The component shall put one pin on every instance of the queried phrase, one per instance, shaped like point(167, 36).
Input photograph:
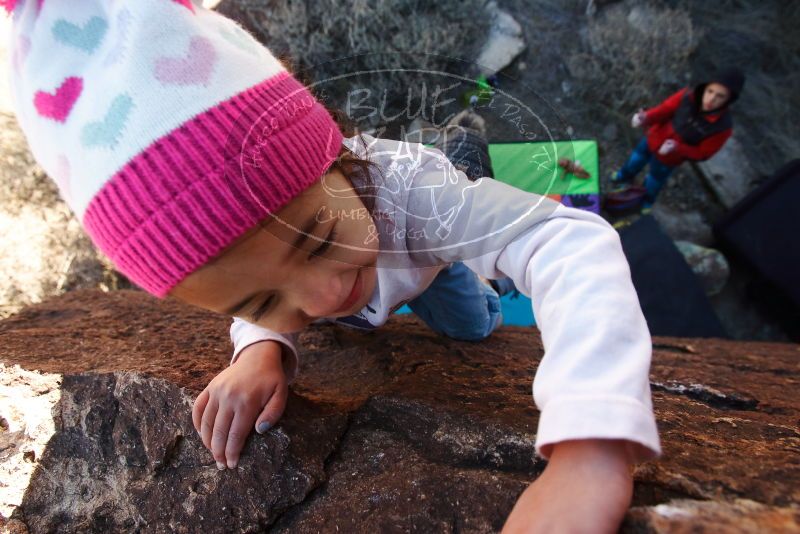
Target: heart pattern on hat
point(193, 69)
point(57, 106)
point(9, 5)
point(86, 38)
point(106, 133)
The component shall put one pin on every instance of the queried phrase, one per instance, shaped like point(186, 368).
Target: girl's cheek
point(285, 323)
point(359, 245)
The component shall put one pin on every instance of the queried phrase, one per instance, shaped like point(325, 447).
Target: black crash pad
point(763, 229)
point(672, 299)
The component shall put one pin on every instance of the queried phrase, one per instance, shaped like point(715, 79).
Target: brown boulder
point(394, 430)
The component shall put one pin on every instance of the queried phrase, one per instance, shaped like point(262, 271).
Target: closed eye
point(265, 306)
point(319, 251)
point(323, 248)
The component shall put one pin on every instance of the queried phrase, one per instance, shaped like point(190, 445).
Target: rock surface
point(505, 41)
point(683, 225)
point(44, 250)
point(729, 173)
point(735, 517)
point(391, 431)
point(27, 399)
point(708, 264)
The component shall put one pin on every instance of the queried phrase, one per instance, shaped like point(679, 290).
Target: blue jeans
point(458, 305)
point(655, 179)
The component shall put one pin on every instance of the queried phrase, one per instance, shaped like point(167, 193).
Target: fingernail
point(231, 464)
point(263, 426)
point(220, 466)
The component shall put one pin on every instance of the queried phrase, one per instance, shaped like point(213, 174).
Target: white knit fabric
point(145, 66)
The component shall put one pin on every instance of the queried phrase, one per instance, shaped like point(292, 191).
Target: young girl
point(206, 172)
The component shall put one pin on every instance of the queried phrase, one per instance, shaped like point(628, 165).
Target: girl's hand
point(639, 118)
point(586, 488)
point(253, 389)
point(668, 146)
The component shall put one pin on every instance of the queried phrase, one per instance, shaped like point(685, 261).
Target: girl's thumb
point(272, 410)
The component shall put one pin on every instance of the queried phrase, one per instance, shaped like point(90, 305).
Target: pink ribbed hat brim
point(193, 192)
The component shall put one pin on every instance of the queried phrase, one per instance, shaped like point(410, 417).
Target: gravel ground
point(44, 250)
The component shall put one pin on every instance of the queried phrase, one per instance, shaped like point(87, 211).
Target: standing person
point(208, 173)
point(692, 124)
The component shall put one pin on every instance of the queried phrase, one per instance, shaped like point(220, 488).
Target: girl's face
point(315, 258)
point(715, 96)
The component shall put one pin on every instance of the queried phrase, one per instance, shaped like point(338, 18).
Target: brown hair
point(355, 169)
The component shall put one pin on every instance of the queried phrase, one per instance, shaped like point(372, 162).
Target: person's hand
point(668, 146)
point(638, 119)
point(253, 389)
point(586, 488)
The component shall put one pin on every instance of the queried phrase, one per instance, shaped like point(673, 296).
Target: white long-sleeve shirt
point(593, 381)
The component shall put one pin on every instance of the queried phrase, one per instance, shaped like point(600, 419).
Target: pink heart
point(58, 106)
point(186, 3)
point(8, 4)
point(195, 68)
point(11, 4)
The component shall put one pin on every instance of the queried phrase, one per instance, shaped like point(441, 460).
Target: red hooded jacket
point(659, 120)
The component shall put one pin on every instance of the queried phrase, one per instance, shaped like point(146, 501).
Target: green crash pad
point(534, 167)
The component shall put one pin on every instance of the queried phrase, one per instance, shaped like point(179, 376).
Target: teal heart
point(87, 38)
point(108, 131)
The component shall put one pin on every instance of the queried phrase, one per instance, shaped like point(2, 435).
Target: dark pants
point(458, 305)
point(656, 178)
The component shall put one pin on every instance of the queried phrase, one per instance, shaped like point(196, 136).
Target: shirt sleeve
point(707, 147)
point(244, 334)
point(593, 381)
point(665, 110)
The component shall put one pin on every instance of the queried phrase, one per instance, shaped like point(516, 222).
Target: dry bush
point(325, 39)
point(633, 54)
point(44, 250)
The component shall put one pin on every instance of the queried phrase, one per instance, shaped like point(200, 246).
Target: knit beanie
point(168, 128)
point(733, 79)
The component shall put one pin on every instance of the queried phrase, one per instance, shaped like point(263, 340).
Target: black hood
point(732, 78)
